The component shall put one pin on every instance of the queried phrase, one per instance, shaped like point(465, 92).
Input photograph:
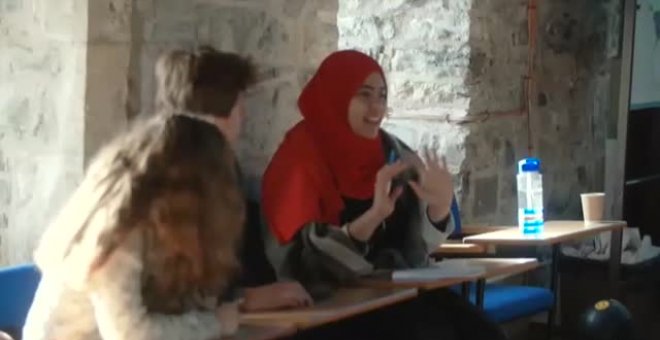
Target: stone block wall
point(454, 61)
point(107, 85)
point(74, 72)
point(42, 85)
point(286, 38)
point(67, 87)
point(570, 104)
point(423, 48)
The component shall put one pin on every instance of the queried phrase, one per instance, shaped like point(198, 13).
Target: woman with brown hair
point(256, 284)
point(147, 243)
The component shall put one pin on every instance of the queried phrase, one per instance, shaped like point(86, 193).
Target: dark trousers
point(434, 315)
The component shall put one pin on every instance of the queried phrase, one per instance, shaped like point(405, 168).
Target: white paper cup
point(593, 205)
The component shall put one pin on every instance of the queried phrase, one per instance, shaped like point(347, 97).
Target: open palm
point(435, 184)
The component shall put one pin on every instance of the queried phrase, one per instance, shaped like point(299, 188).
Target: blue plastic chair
point(501, 302)
point(18, 285)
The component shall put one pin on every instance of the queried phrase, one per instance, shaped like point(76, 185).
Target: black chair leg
point(465, 291)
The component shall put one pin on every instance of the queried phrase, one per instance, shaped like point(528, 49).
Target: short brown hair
point(205, 82)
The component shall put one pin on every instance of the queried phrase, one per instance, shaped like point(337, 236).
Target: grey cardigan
point(323, 256)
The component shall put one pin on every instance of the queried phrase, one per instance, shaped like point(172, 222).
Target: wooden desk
point(346, 302)
point(555, 232)
point(457, 248)
point(499, 266)
point(262, 332)
point(350, 302)
point(480, 229)
point(489, 267)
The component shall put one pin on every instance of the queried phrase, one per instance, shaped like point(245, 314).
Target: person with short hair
point(147, 243)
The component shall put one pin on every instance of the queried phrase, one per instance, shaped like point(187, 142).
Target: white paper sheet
point(438, 271)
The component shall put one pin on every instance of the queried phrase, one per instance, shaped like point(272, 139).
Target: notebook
point(436, 271)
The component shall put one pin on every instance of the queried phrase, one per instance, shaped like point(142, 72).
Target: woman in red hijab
point(346, 197)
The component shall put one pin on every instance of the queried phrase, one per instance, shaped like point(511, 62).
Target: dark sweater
point(256, 270)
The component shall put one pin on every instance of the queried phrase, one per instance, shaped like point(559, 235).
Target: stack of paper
point(438, 271)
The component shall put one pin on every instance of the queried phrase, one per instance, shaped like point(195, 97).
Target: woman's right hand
point(276, 296)
point(385, 198)
point(363, 227)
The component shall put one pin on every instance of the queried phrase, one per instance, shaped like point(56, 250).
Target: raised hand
point(435, 185)
point(384, 197)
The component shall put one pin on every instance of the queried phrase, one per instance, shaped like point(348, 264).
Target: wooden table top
point(458, 248)
point(262, 332)
point(499, 266)
point(345, 303)
point(553, 232)
point(348, 302)
point(485, 268)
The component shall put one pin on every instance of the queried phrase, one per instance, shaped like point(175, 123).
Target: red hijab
point(321, 159)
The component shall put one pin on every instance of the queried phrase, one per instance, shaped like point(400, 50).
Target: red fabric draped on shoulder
point(321, 160)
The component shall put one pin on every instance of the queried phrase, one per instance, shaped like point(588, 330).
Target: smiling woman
point(368, 108)
point(331, 196)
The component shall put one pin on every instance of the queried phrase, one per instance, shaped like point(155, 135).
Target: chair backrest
point(456, 216)
point(17, 287)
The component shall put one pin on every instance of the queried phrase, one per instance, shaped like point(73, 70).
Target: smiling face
point(368, 107)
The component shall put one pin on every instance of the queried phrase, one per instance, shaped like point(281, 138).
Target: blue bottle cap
point(529, 165)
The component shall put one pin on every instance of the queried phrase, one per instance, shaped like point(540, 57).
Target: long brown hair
point(171, 177)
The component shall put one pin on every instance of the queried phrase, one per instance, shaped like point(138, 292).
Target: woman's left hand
point(229, 317)
point(434, 186)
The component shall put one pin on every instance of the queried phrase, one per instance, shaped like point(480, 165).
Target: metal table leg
point(554, 284)
point(481, 287)
point(615, 262)
point(465, 291)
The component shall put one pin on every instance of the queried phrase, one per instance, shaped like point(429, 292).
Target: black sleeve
point(256, 270)
point(441, 226)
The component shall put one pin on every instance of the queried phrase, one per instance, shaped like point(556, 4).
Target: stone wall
point(423, 48)
point(42, 85)
point(109, 43)
point(67, 87)
point(569, 104)
point(286, 38)
point(452, 62)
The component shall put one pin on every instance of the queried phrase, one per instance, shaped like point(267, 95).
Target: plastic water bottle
point(530, 196)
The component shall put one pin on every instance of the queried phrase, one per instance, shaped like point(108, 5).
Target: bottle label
point(531, 221)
